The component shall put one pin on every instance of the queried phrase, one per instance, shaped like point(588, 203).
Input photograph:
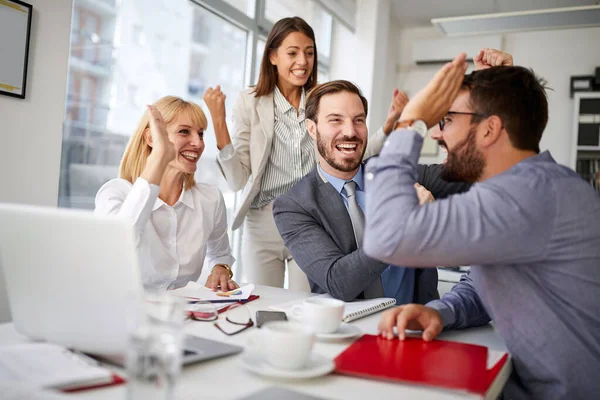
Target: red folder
point(439, 363)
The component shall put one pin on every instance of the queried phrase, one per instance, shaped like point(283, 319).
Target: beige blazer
point(253, 127)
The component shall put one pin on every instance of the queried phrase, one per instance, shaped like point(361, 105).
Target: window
point(260, 48)
point(124, 56)
point(311, 12)
point(159, 51)
point(132, 95)
point(323, 75)
point(138, 37)
point(245, 6)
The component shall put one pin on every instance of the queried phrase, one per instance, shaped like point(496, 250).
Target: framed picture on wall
point(15, 27)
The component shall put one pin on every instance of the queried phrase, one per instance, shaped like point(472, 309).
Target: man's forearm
point(462, 306)
point(465, 229)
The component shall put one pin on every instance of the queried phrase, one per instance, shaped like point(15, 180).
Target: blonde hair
point(137, 151)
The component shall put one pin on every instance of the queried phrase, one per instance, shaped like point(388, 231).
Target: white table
point(225, 378)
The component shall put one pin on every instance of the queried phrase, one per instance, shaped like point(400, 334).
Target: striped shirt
point(292, 151)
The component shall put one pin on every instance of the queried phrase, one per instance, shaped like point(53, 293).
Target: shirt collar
point(338, 183)
point(283, 104)
point(543, 156)
point(186, 197)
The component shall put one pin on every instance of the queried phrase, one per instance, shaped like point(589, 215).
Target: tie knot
point(350, 188)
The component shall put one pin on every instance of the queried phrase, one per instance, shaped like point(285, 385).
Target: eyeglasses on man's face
point(237, 317)
point(442, 123)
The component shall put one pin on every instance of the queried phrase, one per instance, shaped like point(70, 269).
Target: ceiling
point(420, 12)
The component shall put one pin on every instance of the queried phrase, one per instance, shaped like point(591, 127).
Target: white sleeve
point(119, 197)
point(234, 160)
point(218, 249)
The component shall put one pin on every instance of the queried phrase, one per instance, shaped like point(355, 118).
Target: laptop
point(72, 278)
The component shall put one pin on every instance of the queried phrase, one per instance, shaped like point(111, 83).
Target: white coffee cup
point(320, 315)
point(283, 344)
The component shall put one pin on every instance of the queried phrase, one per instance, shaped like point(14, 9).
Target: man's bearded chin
point(327, 153)
point(464, 163)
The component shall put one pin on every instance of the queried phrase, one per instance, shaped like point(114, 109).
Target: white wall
point(364, 57)
point(31, 129)
point(553, 55)
point(342, 64)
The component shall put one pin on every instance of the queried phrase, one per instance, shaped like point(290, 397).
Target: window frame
point(258, 28)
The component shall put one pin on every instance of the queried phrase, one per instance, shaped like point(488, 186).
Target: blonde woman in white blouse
point(178, 222)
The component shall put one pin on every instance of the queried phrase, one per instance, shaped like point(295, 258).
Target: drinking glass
point(153, 359)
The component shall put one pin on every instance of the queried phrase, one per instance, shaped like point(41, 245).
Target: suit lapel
point(266, 117)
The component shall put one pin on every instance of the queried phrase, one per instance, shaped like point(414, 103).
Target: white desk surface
point(225, 378)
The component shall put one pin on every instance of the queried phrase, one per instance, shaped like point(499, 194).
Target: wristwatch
point(229, 271)
point(415, 124)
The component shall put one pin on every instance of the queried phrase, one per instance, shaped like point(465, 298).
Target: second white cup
point(320, 315)
point(283, 344)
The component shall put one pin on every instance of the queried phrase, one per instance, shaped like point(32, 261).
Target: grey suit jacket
point(316, 228)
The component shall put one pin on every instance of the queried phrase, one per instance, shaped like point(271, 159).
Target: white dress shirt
point(172, 241)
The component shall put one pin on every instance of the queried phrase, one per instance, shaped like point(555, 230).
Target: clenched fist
point(487, 58)
point(215, 101)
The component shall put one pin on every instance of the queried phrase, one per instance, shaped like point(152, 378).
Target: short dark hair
point(311, 107)
point(267, 79)
point(515, 95)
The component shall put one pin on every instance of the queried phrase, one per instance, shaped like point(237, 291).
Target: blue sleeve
point(472, 228)
point(461, 307)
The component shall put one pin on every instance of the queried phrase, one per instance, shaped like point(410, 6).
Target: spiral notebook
point(353, 310)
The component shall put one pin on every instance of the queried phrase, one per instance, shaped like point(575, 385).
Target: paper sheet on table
point(494, 356)
point(12, 390)
point(195, 291)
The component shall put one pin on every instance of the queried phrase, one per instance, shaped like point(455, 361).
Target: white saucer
point(345, 331)
point(317, 365)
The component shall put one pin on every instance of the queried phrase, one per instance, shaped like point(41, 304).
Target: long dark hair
point(267, 80)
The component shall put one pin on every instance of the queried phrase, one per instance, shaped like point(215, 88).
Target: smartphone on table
point(263, 317)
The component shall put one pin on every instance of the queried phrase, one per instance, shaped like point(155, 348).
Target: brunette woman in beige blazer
point(270, 150)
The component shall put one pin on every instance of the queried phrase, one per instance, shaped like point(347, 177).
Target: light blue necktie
point(358, 224)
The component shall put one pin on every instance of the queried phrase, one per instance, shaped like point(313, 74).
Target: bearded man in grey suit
point(320, 217)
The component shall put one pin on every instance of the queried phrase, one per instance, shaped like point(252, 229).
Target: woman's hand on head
point(487, 58)
point(215, 101)
point(161, 145)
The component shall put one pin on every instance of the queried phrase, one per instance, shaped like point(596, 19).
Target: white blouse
point(172, 241)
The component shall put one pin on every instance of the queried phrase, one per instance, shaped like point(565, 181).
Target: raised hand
point(435, 99)
point(215, 101)
point(487, 58)
point(399, 101)
point(413, 317)
point(161, 145)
